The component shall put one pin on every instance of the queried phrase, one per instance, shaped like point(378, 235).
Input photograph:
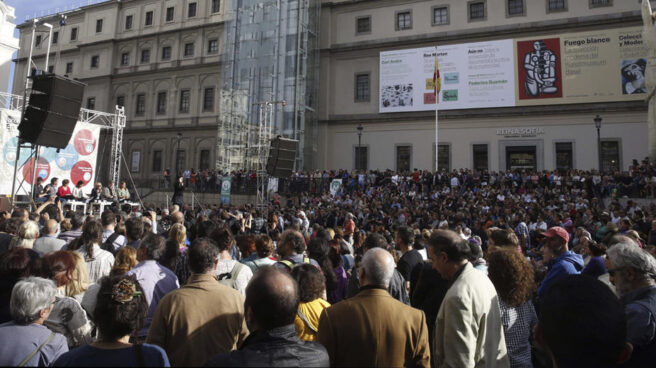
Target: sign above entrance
point(520, 132)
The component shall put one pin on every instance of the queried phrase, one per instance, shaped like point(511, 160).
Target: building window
point(216, 6)
point(362, 87)
point(74, 34)
point(128, 22)
point(99, 24)
point(141, 105)
point(55, 37)
point(166, 53)
point(600, 3)
point(145, 56)
point(157, 161)
point(556, 5)
point(189, 49)
point(179, 160)
point(136, 161)
point(149, 18)
point(610, 155)
point(212, 46)
point(95, 60)
point(204, 163)
point(51, 69)
point(192, 10)
point(440, 15)
point(37, 41)
point(403, 20)
point(125, 58)
point(91, 103)
point(476, 10)
point(208, 99)
point(515, 7)
point(120, 101)
point(564, 155)
point(161, 103)
point(480, 157)
point(169, 13)
point(69, 67)
point(361, 158)
point(403, 158)
point(443, 157)
point(363, 25)
point(185, 95)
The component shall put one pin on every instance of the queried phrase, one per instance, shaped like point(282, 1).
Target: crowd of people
point(454, 270)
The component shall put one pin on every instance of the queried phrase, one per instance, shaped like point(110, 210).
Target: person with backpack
point(291, 248)
point(230, 272)
point(111, 240)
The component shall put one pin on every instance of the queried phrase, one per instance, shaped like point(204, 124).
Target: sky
point(32, 8)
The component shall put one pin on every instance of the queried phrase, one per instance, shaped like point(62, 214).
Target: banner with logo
point(273, 185)
point(76, 162)
point(226, 185)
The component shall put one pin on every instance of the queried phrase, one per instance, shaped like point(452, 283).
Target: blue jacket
point(568, 263)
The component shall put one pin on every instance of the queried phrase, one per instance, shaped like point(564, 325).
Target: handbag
point(32, 354)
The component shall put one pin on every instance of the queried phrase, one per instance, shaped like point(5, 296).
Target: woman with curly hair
point(120, 310)
point(512, 276)
point(312, 293)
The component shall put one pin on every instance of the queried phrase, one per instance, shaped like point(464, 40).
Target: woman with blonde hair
point(27, 234)
point(79, 282)
point(125, 260)
point(178, 234)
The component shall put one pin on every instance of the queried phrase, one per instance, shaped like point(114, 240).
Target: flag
point(437, 81)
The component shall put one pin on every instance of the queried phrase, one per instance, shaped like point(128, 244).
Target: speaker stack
point(52, 112)
point(282, 155)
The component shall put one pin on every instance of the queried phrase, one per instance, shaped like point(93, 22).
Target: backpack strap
point(302, 316)
point(306, 260)
point(235, 270)
point(138, 355)
point(32, 354)
point(108, 245)
point(288, 263)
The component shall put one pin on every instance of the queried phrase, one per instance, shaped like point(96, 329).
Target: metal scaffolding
point(270, 55)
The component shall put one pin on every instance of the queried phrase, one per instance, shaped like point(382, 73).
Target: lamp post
point(597, 123)
point(177, 156)
point(359, 160)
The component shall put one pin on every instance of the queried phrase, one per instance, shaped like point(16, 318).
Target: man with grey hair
point(25, 341)
point(155, 279)
point(48, 242)
point(632, 270)
point(372, 328)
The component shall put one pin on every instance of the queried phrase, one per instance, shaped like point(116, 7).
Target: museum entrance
point(521, 158)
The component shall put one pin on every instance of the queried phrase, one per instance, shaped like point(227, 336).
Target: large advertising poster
point(474, 75)
point(75, 162)
point(599, 66)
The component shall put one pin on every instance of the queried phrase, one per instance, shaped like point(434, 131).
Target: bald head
point(377, 268)
point(51, 227)
point(177, 218)
point(272, 297)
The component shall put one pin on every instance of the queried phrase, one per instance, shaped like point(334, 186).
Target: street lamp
point(177, 156)
point(359, 160)
point(597, 123)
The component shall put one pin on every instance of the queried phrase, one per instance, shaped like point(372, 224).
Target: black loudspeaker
point(282, 155)
point(52, 112)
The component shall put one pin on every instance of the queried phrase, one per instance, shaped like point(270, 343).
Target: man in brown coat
point(202, 318)
point(372, 328)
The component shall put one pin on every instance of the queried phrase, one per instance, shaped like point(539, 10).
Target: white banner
point(474, 75)
point(273, 185)
point(75, 162)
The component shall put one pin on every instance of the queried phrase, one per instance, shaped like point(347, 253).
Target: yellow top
point(312, 311)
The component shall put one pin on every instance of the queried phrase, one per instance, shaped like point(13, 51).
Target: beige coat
point(374, 329)
point(199, 320)
point(468, 330)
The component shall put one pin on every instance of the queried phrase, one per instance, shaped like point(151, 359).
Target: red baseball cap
point(557, 231)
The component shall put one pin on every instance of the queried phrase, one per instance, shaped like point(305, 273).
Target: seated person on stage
point(109, 192)
point(123, 193)
point(64, 192)
point(51, 189)
point(40, 195)
point(78, 193)
point(96, 193)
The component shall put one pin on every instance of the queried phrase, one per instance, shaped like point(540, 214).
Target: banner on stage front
point(76, 162)
point(226, 186)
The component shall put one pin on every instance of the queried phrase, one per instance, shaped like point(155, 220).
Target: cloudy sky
point(31, 8)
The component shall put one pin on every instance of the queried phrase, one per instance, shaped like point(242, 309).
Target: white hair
point(378, 266)
point(630, 255)
point(28, 297)
point(27, 234)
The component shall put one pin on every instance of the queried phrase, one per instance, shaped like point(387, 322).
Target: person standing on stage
point(178, 190)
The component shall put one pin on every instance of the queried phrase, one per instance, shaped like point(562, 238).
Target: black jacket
point(279, 347)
